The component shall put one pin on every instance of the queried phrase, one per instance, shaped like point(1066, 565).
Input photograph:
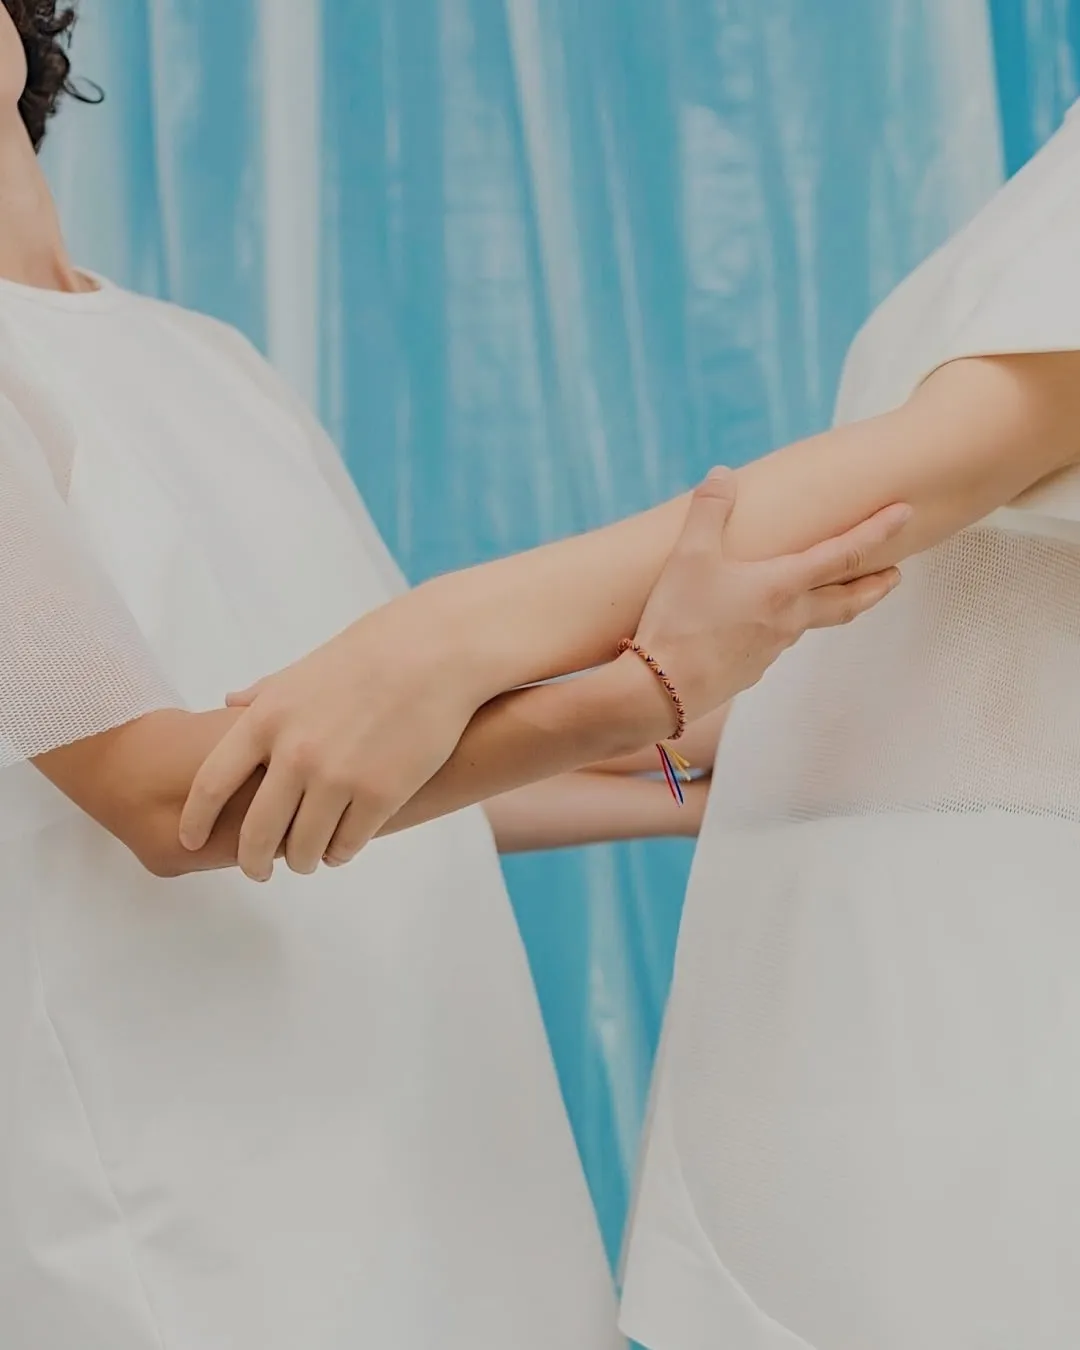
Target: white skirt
point(866, 1126)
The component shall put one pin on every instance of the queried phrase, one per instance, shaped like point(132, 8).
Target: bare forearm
point(976, 435)
point(167, 791)
point(134, 780)
point(538, 733)
point(565, 606)
point(591, 808)
point(699, 746)
point(559, 608)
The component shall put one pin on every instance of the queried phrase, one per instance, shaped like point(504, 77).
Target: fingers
point(243, 698)
point(314, 826)
point(356, 829)
point(710, 509)
point(238, 754)
point(847, 556)
point(841, 603)
point(267, 822)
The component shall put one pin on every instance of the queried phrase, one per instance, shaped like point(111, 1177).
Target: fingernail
point(895, 578)
point(904, 514)
point(719, 471)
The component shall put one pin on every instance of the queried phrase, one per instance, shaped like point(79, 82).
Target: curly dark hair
point(45, 28)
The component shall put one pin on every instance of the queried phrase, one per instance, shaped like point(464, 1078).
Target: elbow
point(154, 840)
point(164, 863)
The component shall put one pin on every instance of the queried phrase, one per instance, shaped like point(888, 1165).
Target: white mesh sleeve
point(73, 662)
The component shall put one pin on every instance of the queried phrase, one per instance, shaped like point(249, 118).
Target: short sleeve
point(73, 662)
point(1016, 290)
point(1015, 277)
point(1007, 284)
point(325, 454)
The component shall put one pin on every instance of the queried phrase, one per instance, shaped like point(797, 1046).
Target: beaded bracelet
point(676, 769)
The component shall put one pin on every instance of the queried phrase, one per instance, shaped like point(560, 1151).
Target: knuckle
point(335, 778)
point(369, 801)
point(302, 756)
point(854, 560)
point(262, 718)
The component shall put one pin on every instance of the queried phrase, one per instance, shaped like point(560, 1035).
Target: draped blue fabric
point(1037, 46)
point(541, 263)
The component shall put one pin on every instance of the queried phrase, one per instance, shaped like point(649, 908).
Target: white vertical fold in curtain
point(289, 43)
point(102, 160)
point(537, 51)
point(970, 162)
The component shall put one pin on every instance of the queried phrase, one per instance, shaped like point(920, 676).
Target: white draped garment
point(315, 1115)
point(865, 1129)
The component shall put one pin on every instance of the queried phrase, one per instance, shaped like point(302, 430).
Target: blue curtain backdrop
point(540, 263)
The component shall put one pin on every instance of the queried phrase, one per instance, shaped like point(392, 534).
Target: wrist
point(427, 637)
point(463, 635)
point(627, 704)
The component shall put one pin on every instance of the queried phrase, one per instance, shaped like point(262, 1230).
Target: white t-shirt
point(320, 1113)
point(866, 1114)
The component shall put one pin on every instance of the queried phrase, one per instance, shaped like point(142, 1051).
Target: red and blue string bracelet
point(676, 769)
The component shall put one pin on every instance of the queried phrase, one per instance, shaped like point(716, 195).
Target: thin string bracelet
point(676, 768)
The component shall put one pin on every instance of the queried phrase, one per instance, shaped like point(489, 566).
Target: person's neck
point(32, 249)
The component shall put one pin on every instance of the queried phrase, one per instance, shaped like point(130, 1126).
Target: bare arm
point(134, 780)
point(951, 489)
point(975, 435)
point(592, 808)
point(544, 731)
point(699, 746)
point(730, 619)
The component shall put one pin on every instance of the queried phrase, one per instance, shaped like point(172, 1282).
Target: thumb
point(243, 698)
point(710, 509)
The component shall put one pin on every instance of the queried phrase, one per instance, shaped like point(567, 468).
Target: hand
point(366, 741)
point(716, 625)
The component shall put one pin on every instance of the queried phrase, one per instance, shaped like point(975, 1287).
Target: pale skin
point(134, 780)
point(974, 435)
point(608, 801)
